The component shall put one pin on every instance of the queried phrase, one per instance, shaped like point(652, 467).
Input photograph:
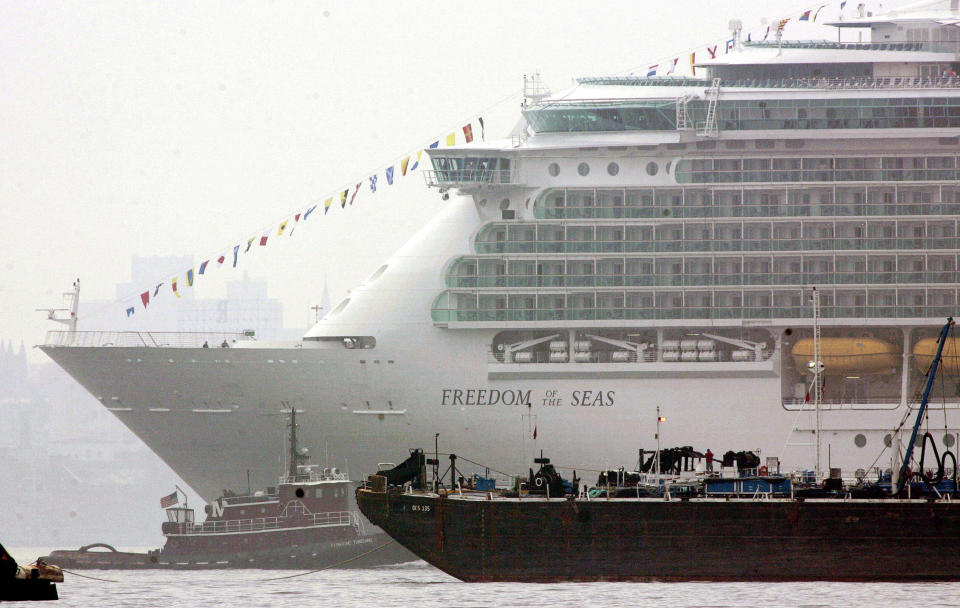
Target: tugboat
point(732, 525)
point(27, 583)
point(305, 521)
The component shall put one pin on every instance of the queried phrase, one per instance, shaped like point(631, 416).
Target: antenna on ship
point(736, 27)
point(71, 303)
point(534, 91)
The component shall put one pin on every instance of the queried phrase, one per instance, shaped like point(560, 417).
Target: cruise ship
point(636, 243)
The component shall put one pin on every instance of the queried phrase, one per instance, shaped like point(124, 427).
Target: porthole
point(860, 440)
point(553, 169)
point(613, 168)
point(652, 168)
point(505, 204)
point(483, 202)
point(948, 440)
point(887, 440)
point(583, 169)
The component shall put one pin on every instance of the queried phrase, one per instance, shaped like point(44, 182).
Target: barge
point(688, 523)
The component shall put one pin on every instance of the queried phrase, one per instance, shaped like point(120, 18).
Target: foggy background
point(173, 131)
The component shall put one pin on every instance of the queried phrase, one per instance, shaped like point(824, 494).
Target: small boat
point(36, 581)
point(843, 356)
point(926, 348)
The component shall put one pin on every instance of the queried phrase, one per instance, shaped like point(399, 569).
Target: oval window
point(652, 168)
point(583, 169)
point(860, 440)
point(613, 168)
point(553, 169)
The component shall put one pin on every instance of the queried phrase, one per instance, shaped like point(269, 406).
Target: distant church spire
point(325, 298)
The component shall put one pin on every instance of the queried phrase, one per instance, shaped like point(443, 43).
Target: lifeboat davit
point(924, 351)
point(842, 356)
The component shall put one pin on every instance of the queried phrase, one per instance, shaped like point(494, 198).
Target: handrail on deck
point(149, 339)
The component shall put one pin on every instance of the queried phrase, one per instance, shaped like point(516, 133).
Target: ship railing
point(855, 403)
point(313, 476)
point(652, 313)
point(714, 279)
point(457, 177)
point(248, 498)
point(144, 339)
point(332, 518)
point(865, 82)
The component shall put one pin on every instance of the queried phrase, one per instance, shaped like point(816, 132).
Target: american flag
point(169, 500)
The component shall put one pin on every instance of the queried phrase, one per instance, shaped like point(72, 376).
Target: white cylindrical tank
point(706, 344)
point(707, 355)
point(688, 344)
point(671, 355)
point(688, 355)
point(620, 356)
point(581, 356)
point(558, 345)
point(670, 345)
point(582, 345)
point(558, 357)
point(742, 355)
point(523, 357)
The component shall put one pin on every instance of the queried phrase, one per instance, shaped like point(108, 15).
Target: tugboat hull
point(540, 540)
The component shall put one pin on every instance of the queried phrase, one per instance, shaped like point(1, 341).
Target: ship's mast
point(294, 454)
point(71, 303)
point(817, 368)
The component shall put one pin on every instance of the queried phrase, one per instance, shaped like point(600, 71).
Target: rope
point(278, 578)
point(346, 561)
point(93, 578)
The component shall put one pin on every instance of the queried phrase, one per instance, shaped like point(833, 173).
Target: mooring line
point(93, 578)
point(346, 561)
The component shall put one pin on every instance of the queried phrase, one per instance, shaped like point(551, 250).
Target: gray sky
point(180, 128)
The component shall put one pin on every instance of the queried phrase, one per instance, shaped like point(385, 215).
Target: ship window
point(887, 440)
point(652, 168)
point(860, 440)
point(948, 440)
point(613, 168)
point(553, 169)
point(583, 169)
point(376, 275)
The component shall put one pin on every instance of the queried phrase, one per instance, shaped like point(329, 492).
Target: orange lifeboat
point(842, 356)
point(924, 351)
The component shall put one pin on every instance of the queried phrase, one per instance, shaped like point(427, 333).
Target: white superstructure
point(639, 242)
